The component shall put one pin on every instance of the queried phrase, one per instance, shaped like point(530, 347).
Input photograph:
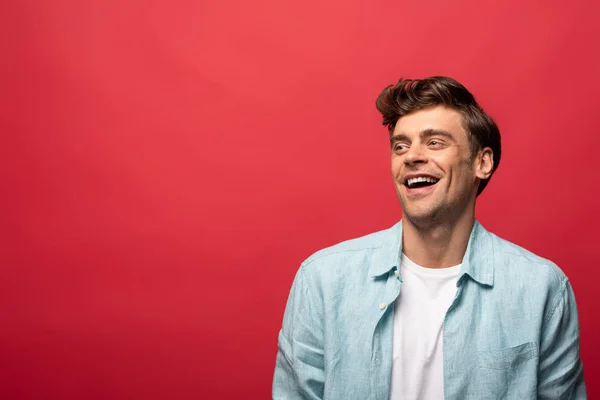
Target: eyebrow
point(424, 134)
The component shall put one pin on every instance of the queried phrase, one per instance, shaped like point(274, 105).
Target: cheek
point(396, 167)
point(462, 176)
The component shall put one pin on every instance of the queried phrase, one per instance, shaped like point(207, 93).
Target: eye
point(435, 143)
point(399, 147)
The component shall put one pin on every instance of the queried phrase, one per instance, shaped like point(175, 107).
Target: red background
point(166, 166)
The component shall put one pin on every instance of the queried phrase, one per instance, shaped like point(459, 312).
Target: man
point(435, 307)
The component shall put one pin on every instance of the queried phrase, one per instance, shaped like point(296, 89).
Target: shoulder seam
point(535, 259)
point(316, 257)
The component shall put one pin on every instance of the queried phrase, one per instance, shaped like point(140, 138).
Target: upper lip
point(417, 175)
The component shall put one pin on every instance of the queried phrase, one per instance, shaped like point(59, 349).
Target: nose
point(415, 155)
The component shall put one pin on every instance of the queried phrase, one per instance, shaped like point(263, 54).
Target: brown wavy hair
point(409, 95)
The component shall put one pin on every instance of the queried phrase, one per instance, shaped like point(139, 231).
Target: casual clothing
point(511, 332)
point(419, 312)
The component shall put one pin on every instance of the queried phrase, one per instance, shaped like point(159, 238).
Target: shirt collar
point(478, 261)
point(387, 256)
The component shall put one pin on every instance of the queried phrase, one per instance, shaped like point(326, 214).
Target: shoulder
point(355, 254)
point(509, 253)
point(364, 243)
point(517, 266)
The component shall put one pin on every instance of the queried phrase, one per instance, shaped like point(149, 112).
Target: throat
point(435, 246)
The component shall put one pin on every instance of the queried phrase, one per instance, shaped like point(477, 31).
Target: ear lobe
point(484, 163)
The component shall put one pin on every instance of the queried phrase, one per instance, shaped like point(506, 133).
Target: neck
point(437, 246)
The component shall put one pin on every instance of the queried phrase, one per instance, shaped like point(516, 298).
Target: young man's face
point(434, 172)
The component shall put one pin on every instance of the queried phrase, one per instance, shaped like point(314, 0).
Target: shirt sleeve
point(561, 368)
point(299, 369)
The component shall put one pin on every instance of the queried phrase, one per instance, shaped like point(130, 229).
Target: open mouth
point(419, 182)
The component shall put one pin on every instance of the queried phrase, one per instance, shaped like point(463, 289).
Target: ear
point(484, 163)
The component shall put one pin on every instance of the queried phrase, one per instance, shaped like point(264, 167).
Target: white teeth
point(412, 181)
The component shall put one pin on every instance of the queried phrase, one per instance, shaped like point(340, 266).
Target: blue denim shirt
point(512, 331)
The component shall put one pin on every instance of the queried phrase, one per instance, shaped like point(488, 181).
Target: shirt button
point(396, 272)
point(381, 306)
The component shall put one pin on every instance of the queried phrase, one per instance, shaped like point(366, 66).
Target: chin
point(419, 217)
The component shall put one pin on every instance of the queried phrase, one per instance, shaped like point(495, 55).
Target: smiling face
point(435, 173)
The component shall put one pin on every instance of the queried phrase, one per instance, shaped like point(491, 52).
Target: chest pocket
point(506, 373)
point(507, 358)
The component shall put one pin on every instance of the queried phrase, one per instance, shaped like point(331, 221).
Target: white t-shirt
point(419, 312)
